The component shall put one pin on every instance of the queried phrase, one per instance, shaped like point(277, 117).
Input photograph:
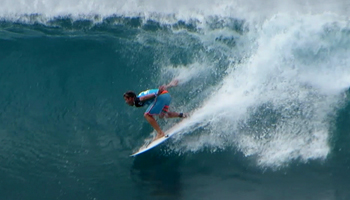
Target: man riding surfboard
point(158, 101)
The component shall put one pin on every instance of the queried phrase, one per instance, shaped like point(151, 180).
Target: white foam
point(187, 73)
point(180, 10)
point(279, 104)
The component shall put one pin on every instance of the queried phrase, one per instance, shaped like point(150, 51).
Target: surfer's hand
point(161, 89)
point(164, 87)
point(173, 83)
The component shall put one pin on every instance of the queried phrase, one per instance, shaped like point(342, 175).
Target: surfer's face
point(129, 100)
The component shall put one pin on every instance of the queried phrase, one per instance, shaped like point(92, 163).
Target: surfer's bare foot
point(183, 115)
point(159, 135)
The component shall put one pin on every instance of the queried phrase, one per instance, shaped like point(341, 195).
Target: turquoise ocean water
point(266, 84)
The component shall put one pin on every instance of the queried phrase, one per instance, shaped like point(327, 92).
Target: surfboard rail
point(150, 145)
point(155, 143)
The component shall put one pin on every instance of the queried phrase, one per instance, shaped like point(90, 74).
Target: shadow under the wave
point(156, 175)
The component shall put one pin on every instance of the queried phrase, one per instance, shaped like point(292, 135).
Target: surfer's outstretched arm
point(173, 83)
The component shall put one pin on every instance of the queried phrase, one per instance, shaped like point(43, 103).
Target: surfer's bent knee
point(146, 115)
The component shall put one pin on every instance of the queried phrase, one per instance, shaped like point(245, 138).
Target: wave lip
point(167, 10)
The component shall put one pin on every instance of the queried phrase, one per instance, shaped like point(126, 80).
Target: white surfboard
point(173, 130)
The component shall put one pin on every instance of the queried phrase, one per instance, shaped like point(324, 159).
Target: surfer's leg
point(158, 107)
point(162, 115)
point(155, 109)
point(154, 124)
point(175, 114)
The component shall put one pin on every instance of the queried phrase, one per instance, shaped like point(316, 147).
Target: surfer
point(158, 101)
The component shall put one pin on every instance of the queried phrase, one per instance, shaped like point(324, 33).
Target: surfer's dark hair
point(129, 94)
